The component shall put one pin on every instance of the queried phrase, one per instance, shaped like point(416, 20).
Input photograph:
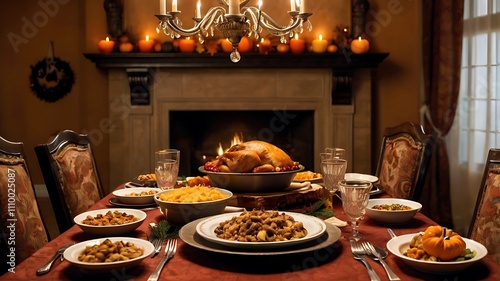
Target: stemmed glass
point(355, 196)
point(335, 152)
point(333, 172)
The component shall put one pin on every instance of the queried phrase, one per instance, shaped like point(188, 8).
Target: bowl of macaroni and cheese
point(110, 222)
point(185, 204)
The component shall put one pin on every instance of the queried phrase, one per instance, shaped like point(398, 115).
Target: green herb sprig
point(162, 230)
point(319, 209)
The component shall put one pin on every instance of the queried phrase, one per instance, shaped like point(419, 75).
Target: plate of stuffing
point(276, 229)
point(310, 176)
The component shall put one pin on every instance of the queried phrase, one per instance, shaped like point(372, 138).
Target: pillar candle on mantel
point(360, 46)
point(297, 45)
point(106, 46)
point(187, 45)
point(319, 45)
point(146, 46)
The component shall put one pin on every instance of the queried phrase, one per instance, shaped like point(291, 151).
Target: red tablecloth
point(189, 263)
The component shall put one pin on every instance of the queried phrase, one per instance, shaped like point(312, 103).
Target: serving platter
point(189, 235)
point(315, 228)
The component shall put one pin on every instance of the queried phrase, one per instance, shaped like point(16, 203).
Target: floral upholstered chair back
point(485, 224)
point(404, 156)
point(70, 173)
point(78, 177)
point(23, 229)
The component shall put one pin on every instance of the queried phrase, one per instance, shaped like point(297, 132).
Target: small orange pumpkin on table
point(442, 243)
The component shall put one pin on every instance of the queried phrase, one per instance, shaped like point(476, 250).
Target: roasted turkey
point(252, 156)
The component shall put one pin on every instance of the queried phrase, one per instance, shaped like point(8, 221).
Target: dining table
point(333, 262)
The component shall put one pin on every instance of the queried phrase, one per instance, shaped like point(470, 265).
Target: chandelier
point(234, 23)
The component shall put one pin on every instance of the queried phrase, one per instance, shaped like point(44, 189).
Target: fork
point(359, 253)
point(369, 249)
point(170, 249)
point(158, 243)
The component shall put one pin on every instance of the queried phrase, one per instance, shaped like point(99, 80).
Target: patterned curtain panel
point(442, 50)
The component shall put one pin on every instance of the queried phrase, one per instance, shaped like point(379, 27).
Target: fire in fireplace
point(200, 134)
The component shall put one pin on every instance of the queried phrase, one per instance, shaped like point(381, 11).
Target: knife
point(46, 268)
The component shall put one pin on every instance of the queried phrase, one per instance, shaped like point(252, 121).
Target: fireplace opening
point(200, 134)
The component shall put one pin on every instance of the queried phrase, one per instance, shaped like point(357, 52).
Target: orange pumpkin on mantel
point(442, 243)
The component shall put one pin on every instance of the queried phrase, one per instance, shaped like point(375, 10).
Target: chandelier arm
point(272, 26)
point(224, 2)
point(207, 19)
point(253, 14)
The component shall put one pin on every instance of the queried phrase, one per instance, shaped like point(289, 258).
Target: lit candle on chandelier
point(302, 6)
point(292, 5)
point(174, 5)
point(197, 14)
point(234, 7)
point(163, 7)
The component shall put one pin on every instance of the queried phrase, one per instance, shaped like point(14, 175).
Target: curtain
point(442, 49)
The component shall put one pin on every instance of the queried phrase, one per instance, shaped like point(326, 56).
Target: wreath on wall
point(51, 79)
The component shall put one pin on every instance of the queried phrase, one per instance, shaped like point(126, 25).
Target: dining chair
point(70, 173)
point(404, 156)
point(485, 223)
point(23, 228)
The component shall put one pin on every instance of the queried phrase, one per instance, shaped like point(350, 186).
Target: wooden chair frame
point(492, 166)
point(427, 141)
point(50, 171)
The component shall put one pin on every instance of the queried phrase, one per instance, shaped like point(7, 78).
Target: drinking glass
point(166, 172)
point(355, 195)
point(333, 172)
point(166, 167)
point(336, 152)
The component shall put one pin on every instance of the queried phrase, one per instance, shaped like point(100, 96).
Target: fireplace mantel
point(338, 62)
point(144, 88)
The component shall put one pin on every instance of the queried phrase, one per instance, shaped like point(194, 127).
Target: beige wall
point(76, 26)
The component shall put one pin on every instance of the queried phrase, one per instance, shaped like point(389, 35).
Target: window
point(476, 128)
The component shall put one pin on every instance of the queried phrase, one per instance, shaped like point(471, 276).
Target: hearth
point(201, 134)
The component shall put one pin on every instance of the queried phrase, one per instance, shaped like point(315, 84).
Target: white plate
point(71, 255)
point(398, 246)
point(315, 227)
point(189, 235)
point(110, 230)
point(124, 195)
point(356, 176)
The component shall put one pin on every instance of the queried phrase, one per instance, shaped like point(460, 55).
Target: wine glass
point(355, 195)
point(333, 172)
point(336, 152)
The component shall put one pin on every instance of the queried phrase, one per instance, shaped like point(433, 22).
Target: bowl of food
point(110, 258)
point(110, 222)
point(401, 247)
point(183, 205)
point(252, 167)
point(136, 195)
point(392, 210)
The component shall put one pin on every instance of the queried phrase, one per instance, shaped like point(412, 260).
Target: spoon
point(381, 252)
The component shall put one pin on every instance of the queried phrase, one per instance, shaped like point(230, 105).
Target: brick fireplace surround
point(143, 88)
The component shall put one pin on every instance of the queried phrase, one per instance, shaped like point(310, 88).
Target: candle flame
point(107, 39)
point(147, 37)
point(359, 38)
point(296, 36)
point(220, 151)
point(321, 37)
